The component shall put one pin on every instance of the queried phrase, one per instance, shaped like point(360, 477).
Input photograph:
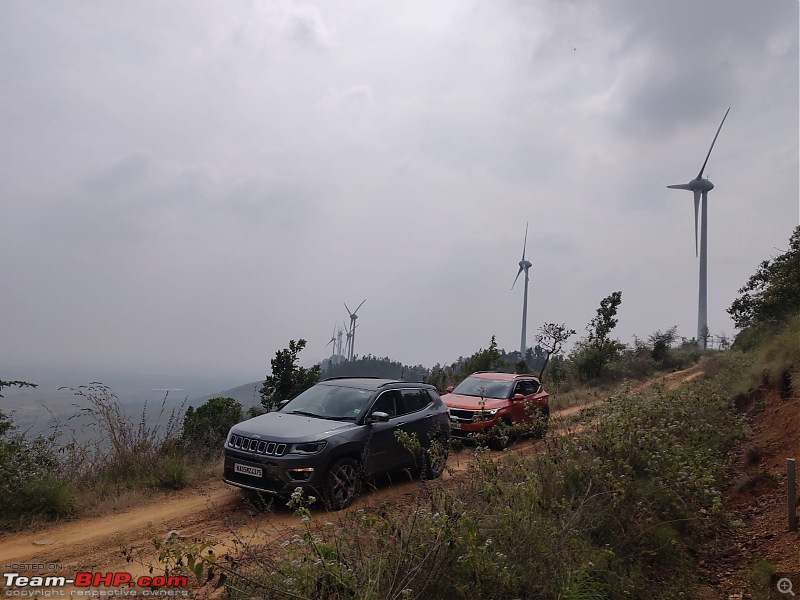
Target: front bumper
point(274, 475)
point(468, 429)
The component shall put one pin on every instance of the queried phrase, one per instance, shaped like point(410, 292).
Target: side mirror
point(281, 404)
point(449, 389)
point(378, 417)
point(518, 397)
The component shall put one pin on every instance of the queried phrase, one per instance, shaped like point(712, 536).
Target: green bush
point(205, 429)
point(32, 481)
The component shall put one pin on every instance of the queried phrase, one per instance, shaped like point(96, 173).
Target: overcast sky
point(185, 186)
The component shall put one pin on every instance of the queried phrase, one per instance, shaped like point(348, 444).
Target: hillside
point(123, 538)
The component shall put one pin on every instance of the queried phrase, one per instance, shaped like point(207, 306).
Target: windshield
point(329, 402)
point(484, 388)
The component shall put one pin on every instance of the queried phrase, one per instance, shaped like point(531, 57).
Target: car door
point(382, 451)
point(417, 409)
point(524, 408)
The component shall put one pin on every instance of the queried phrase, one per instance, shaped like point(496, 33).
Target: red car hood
point(473, 402)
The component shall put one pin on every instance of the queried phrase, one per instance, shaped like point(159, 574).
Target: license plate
point(247, 470)
point(455, 425)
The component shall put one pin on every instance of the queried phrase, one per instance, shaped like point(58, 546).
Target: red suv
point(485, 400)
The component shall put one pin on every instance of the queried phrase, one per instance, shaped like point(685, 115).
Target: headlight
point(307, 448)
point(486, 414)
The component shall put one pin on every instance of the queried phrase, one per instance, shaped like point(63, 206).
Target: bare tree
point(551, 337)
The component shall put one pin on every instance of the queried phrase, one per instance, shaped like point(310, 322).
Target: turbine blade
point(525, 245)
point(349, 312)
point(696, 207)
point(515, 278)
point(680, 186)
point(360, 305)
point(703, 168)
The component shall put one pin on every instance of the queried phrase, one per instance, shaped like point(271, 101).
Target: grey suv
point(336, 435)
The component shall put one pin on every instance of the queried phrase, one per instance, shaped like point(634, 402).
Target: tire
point(436, 459)
point(498, 442)
point(540, 424)
point(342, 484)
point(500, 439)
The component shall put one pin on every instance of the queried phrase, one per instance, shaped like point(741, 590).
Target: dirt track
point(214, 512)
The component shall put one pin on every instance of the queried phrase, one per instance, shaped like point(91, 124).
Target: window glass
point(526, 388)
point(329, 401)
point(386, 403)
point(414, 400)
point(485, 388)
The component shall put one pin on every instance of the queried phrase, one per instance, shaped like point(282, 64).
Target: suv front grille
point(257, 446)
point(462, 415)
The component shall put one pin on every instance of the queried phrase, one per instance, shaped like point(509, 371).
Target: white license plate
point(247, 470)
point(455, 425)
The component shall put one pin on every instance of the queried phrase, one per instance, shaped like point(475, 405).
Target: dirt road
point(213, 512)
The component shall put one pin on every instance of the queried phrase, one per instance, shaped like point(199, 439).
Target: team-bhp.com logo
point(158, 585)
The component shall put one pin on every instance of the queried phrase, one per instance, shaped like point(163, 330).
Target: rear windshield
point(484, 388)
point(330, 402)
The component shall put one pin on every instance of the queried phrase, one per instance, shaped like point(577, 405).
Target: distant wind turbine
point(333, 347)
point(700, 187)
point(351, 334)
point(524, 265)
point(339, 343)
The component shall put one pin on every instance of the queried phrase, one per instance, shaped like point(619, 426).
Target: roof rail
point(352, 377)
point(504, 373)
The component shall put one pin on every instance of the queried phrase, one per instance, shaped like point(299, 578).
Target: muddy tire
point(500, 436)
point(342, 484)
point(436, 459)
point(540, 424)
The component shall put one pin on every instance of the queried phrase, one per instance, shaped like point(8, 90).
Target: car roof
point(503, 376)
point(371, 383)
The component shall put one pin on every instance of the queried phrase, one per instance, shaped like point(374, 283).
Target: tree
point(552, 337)
point(207, 427)
point(661, 342)
point(444, 376)
point(597, 350)
point(772, 294)
point(287, 379)
point(19, 384)
point(6, 422)
point(484, 360)
point(603, 322)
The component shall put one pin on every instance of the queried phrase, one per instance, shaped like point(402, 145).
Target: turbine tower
point(524, 265)
point(700, 187)
point(351, 334)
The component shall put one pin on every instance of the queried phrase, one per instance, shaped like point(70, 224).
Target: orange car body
point(485, 399)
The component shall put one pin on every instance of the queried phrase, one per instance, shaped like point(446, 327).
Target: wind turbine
point(351, 334)
point(339, 344)
point(700, 187)
point(524, 265)
point(333, 348)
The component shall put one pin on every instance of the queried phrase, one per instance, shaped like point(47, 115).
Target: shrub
point(32, 482)
point(205, 429)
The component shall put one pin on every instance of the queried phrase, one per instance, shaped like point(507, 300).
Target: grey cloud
point(306, 25)
point(232, 174)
